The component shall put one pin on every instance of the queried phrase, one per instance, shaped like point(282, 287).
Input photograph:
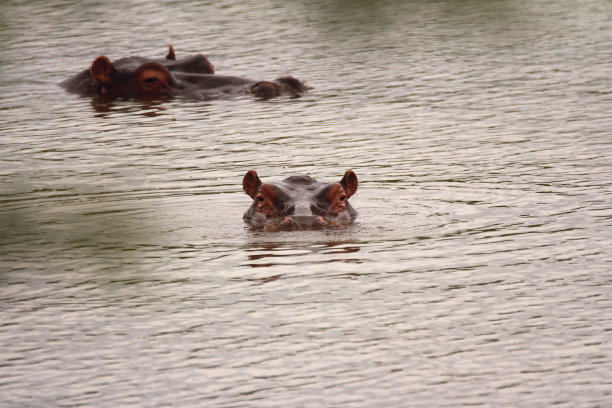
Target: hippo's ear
point(251, 183)
point(209, 67)
point(349, 183)
point(102, 70)
point(171, 55)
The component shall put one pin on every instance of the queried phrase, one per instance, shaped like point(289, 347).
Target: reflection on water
point(299, 253)
point(477, 272)
point(149, 108)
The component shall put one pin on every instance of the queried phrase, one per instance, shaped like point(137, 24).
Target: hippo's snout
point(297, 222)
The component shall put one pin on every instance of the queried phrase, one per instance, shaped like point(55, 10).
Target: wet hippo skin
point(194, 77)
point(299, 202)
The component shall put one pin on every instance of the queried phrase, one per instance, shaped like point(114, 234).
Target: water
point(478, 272)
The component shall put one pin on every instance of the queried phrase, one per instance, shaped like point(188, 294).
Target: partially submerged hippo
point(191, 76)
point(299, 202)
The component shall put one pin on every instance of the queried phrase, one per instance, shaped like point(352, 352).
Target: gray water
point(478, 272)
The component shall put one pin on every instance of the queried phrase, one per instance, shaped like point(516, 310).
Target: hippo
point(194, 77)
point(299, 202)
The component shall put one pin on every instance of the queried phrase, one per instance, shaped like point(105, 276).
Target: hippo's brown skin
point(299, 202)
point(193, 76)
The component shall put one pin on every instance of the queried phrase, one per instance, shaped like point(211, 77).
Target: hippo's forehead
point(300, 189)
point(129, 64)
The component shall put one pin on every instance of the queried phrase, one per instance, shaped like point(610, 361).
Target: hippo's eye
point(151, 80)
point(260, 199)
point(342, 197)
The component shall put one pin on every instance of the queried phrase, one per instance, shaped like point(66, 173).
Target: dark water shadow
point(364, 18)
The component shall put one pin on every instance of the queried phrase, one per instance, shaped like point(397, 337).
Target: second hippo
point(138, 77)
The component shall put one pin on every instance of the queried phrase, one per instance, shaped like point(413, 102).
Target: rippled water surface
point(478, 272)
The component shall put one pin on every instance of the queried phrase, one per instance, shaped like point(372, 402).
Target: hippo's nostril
point(305, 220)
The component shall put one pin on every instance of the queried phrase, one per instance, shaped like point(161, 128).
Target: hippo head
point(136, 76)
point(299, 202)
point(150, 78)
